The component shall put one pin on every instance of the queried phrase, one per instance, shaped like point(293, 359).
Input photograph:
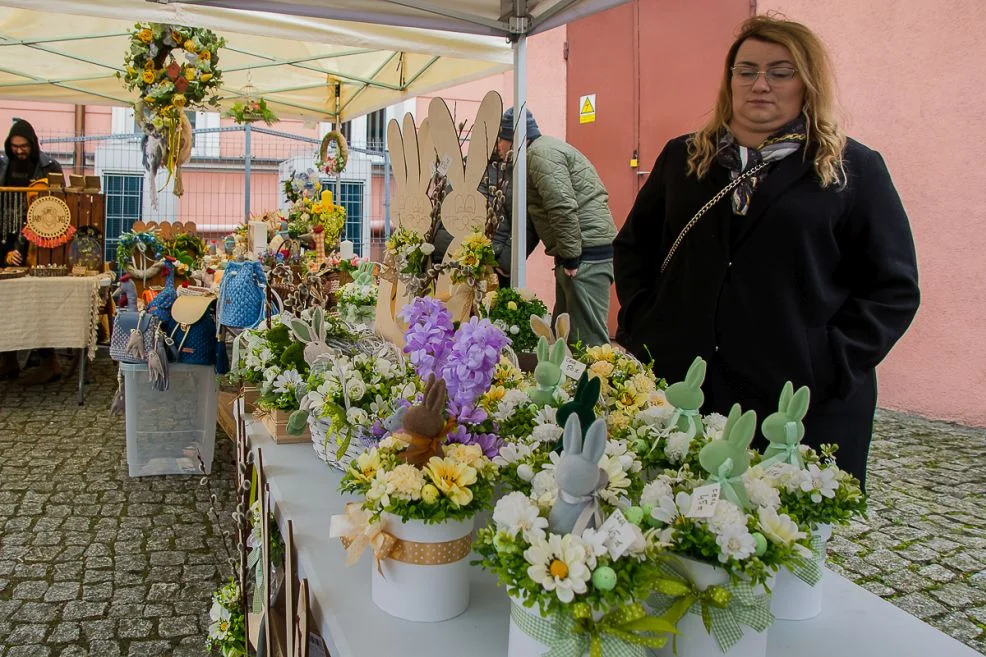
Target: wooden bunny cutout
point(579, 478)
point(727, 458)
point(424, 426)
point(312, 334)
point(563, 326)
point(464, 207)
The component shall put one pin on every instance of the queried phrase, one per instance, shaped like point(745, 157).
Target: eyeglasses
point(20, 147)
point(747, 75)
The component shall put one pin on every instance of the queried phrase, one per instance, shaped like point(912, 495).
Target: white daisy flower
point(738, 543)
point(515, 513)
point(220, 617)
point(559, 565)
point(287, 381)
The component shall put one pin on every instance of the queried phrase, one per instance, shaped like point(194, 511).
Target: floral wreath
point(171, 67)
point(148, 245)
point(333, 163)
point(251, 110)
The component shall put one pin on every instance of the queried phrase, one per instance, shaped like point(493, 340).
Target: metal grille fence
point(235, 172)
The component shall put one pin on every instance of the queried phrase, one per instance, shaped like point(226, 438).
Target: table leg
point(82, 375)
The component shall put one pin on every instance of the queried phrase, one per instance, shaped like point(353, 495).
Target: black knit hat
point(23, 129)
point(507, 126)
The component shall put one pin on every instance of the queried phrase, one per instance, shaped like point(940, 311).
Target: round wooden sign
point(49, 222)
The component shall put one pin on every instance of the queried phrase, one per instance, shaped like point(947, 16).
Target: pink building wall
point(912, 80)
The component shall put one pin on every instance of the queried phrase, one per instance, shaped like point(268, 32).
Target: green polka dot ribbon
point(724, 609)
point(624, 632)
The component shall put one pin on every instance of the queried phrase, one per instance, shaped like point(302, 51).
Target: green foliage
point(511, 309)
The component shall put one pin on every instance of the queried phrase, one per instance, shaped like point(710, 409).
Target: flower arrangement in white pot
point(576, 581)
point(419, 500)
point(810, 488)
point(730, 547)
point(358, 299)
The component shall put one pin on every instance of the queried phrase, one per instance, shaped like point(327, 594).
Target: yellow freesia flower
point(145, 36)
point(205, 55)
point(603, 352)
point(189, 73)
point(366, 465)
point(601, 368)
point(148, 77)
point(190, 46)
point(452, 479)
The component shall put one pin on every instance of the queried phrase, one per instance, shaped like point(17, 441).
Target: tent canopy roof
point(70, 51)
point(490, 17)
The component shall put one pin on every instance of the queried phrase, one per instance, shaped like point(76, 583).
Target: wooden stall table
point(52, 312)
point(853, 623)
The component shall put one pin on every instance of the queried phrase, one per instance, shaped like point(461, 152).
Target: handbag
point(125, 345)
point(242, 298)
point(193, 337)
point(705, 208)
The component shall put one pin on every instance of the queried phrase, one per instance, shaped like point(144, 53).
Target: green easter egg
point(604, 578)
point(634, 514)
point(761, 543)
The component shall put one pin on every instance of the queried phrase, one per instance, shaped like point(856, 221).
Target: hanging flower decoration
point(251, 110)
point(172, 68)
point(139, 254)
point(333, 154)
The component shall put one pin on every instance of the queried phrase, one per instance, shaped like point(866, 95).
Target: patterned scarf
point(738, 158)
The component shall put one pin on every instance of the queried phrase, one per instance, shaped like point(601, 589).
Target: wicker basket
point(49, 271)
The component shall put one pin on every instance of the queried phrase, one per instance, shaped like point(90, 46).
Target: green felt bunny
point(687, 398)
point(582, 404)
point(785, 429)
point(548, 371)
point(364, 275)
point(727, 458)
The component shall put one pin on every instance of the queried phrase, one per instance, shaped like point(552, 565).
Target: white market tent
point(294, 53)
point(513, 19)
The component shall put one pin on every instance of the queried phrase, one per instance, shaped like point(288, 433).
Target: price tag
point(704, 499)
point(572, 368)
point(621, 534)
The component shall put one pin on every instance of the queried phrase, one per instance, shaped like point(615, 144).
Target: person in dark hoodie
point(21, 163)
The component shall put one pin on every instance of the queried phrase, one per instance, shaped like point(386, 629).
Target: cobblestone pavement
point(93, 562)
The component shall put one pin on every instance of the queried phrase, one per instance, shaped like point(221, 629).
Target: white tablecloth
point(61, 311)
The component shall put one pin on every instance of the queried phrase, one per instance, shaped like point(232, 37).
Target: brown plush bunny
point(423, 427)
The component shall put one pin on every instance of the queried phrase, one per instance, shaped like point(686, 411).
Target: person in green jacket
point(569, 209)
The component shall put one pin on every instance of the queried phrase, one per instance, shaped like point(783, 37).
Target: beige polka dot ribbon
point(357, 533)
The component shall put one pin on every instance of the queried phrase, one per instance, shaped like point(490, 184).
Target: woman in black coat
point(805, 271)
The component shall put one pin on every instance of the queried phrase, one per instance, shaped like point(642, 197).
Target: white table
point(57, 312)
point(854, 623)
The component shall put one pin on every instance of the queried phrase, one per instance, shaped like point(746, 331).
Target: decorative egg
point(604, 578)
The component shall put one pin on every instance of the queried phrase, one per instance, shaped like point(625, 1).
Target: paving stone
point(33, 590)
point(959, 596)
point(80, 609)
point(135, 628)
point(105, 648)
point(74, 651)
point(149, 648)
point(937, 573)
point(99, 629)
point(64, 633)
point(36, 612)
point(177, 626)
point(28, 634)
point(162, 592)
point(62, 591)
point(28, 651)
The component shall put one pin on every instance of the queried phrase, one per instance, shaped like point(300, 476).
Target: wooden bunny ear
point(798, 407)
point(395, 144)
point(482, 139)
point(696, 373)
point(594, 445)
point(541, 327)
point(572, 437)
point(446, 141)
point(558, 352)
point(787, 393)
point(563, 324)
point(427, 154)
point(542, 349)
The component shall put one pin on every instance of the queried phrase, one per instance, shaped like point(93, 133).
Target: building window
point(347, 130)
point(350, 197)
point(376, 128)
point(124, 206)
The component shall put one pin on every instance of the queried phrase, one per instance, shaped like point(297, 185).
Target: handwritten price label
point(704, 500)
point(572, 368)
point(621, 534)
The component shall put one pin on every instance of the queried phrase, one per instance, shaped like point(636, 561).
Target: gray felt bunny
point(579, 478)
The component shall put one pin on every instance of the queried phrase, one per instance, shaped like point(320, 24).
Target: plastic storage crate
point(170, 432)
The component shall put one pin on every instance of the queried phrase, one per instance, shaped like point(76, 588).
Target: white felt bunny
point(579, 478)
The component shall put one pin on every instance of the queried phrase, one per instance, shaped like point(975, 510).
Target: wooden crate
point(87, 210)
point(276, 423)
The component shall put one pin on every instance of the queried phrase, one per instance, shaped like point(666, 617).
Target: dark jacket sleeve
point(635, 265)
point(881, 266)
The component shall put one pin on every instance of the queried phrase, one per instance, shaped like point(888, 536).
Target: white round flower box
point(692, 638)
point(421, 593)
point(795, 599)
point(522, 644)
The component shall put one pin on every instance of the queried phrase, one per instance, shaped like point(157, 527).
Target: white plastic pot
point(426, 594)
point(693, 640)
point(794, 599)
point(522, 644)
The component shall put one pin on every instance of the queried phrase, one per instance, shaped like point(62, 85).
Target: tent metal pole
point(247, 156)
point(518, 261)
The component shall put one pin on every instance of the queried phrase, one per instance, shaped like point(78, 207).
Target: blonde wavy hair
point(822, 117)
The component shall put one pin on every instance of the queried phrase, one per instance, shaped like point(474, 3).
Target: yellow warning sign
point(587, 108)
